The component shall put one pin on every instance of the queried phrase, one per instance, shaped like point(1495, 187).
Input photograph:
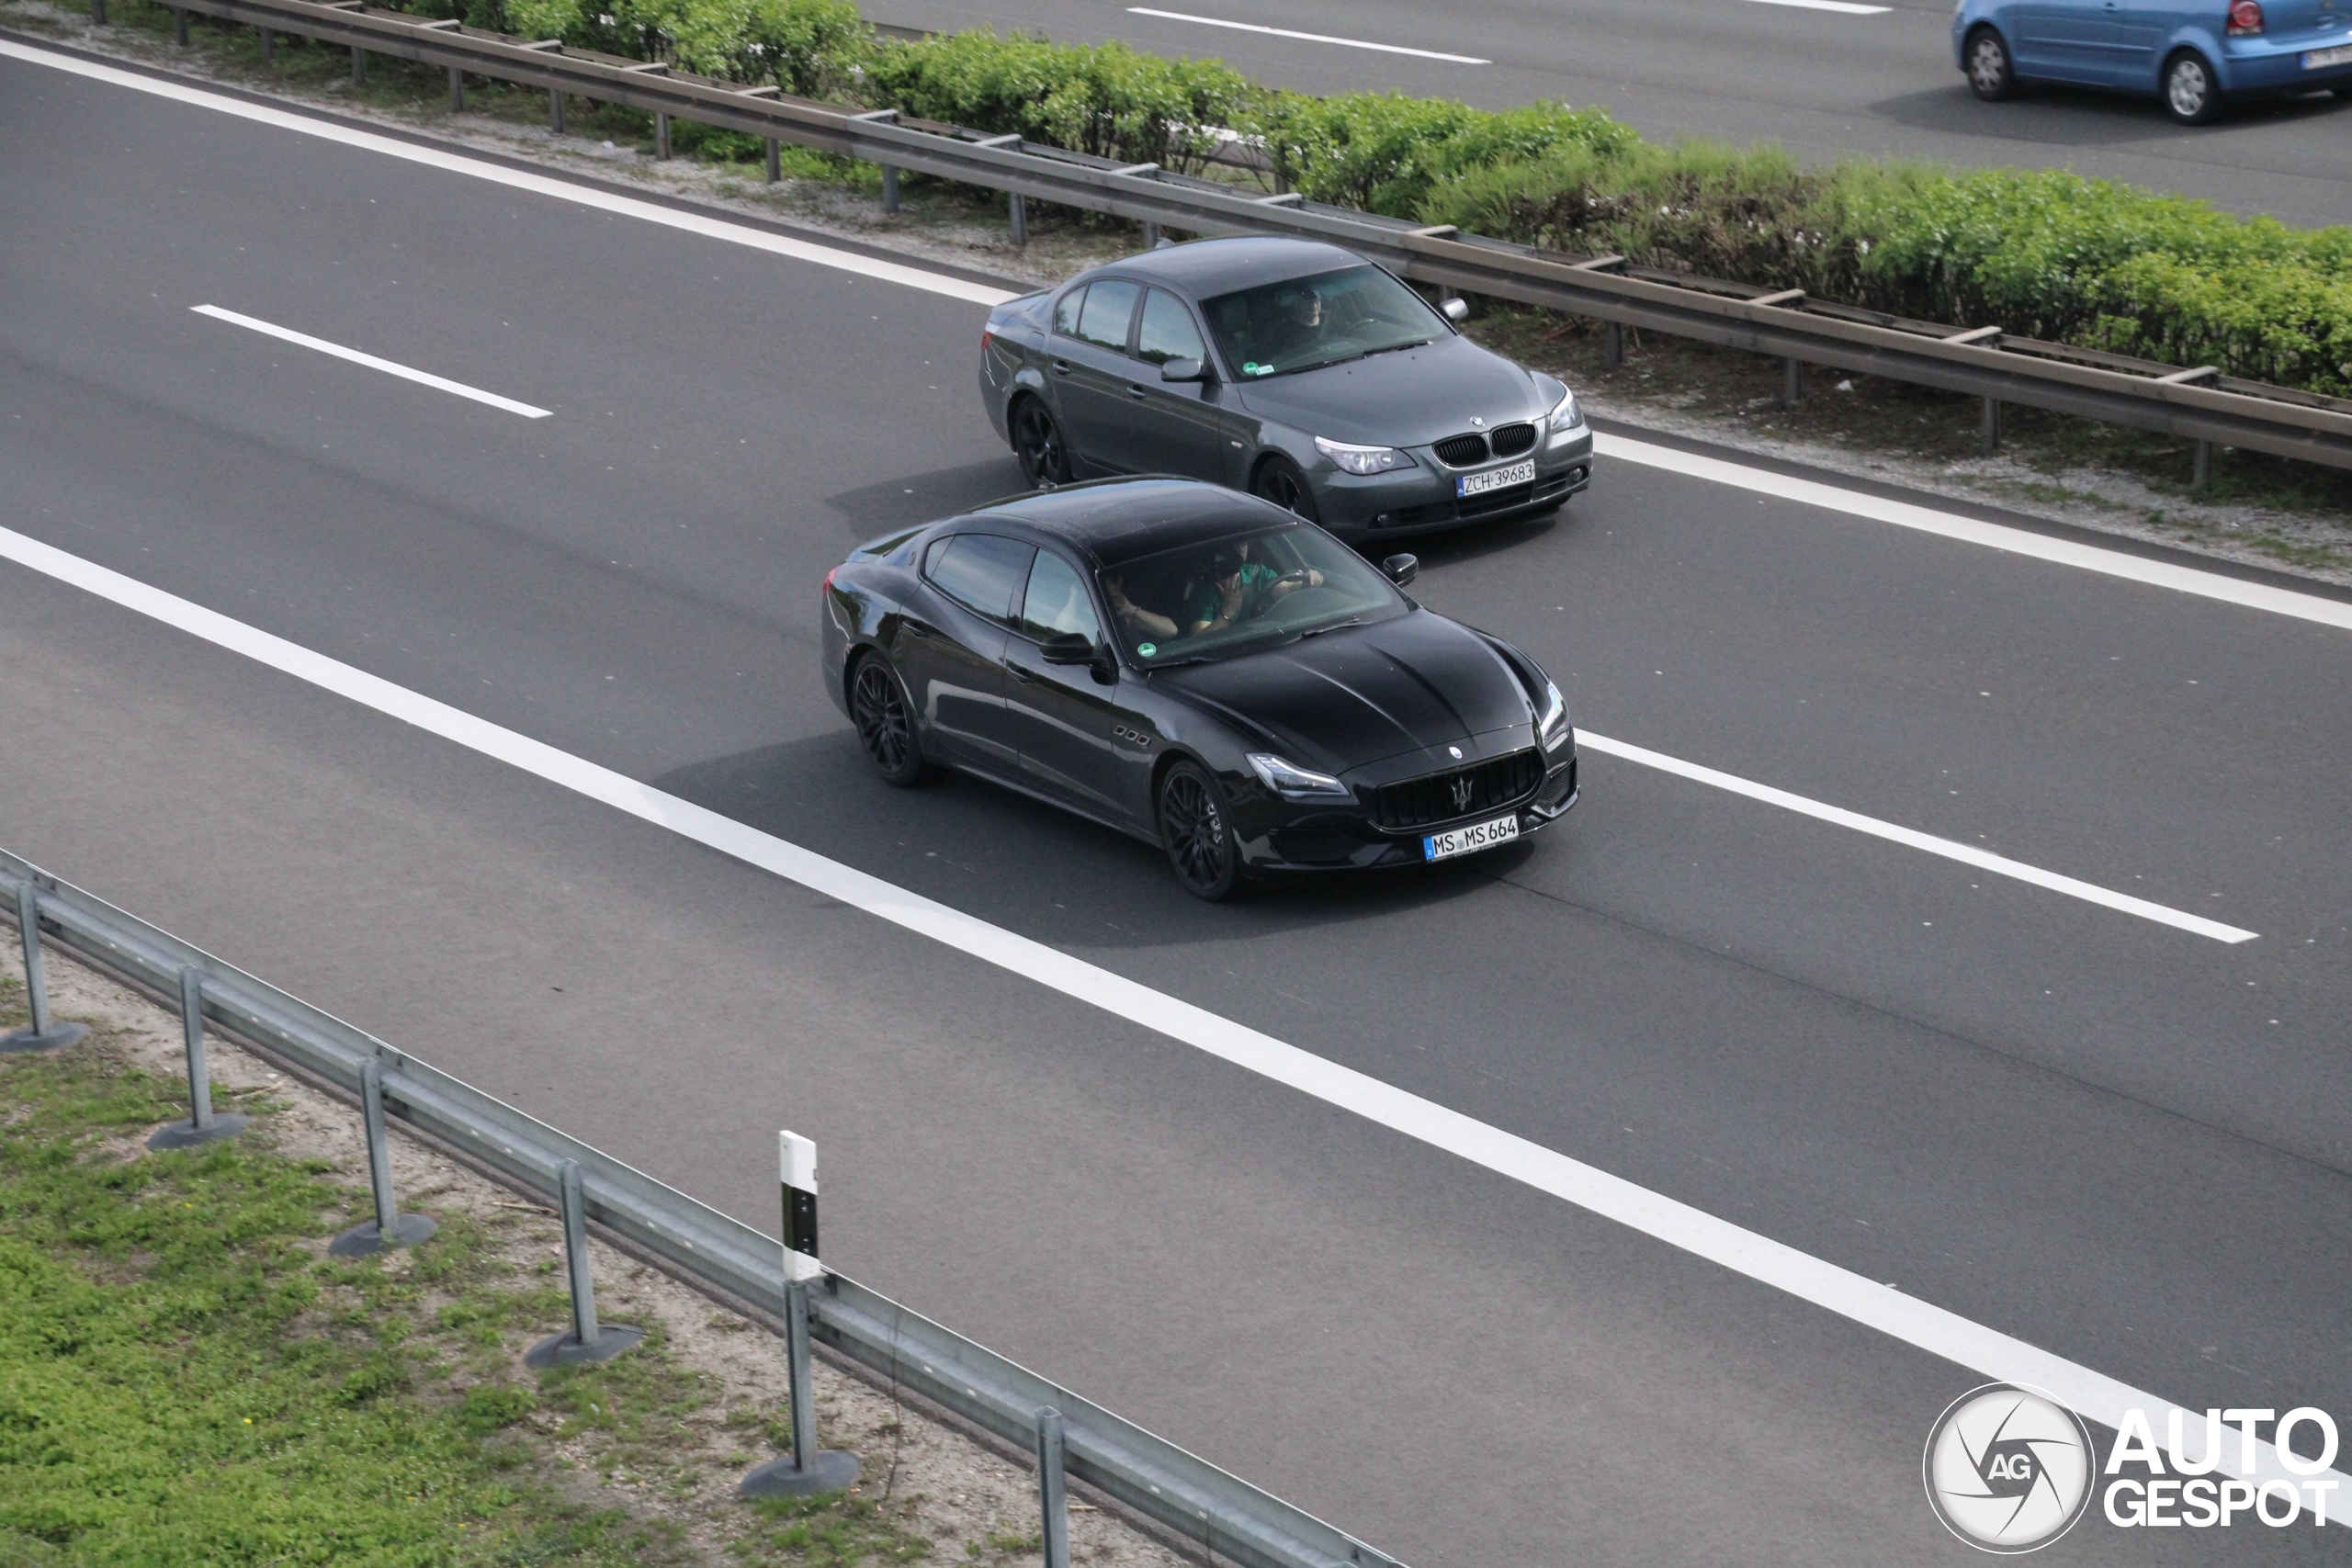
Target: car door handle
point(1061, 366)
point(915, 630)
point(1137, 392)
point(1018, 673)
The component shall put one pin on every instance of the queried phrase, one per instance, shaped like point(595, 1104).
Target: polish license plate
point(2319, 58)
point(1466, 840)
point(1496, 479)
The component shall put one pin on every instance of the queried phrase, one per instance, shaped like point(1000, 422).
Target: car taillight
point(988, 335)
point(2246, 17)
point(829, 578)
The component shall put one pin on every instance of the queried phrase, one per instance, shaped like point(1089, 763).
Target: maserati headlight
point(1565, 415)
point(1294, 783)
point(1553, 725)
point(1363, 459)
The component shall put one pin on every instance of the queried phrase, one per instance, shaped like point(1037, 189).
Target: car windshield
point(1225, 597)
point(1279, 328)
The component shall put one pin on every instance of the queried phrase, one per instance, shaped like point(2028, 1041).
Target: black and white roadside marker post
point(42, 1034)
point(389, 1227)
point(586, 1339)
point(807, 1470)
point(203, 1125)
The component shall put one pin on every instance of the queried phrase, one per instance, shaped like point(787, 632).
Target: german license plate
point(1466, 840)
point(1496, 479)
point(2319, 58)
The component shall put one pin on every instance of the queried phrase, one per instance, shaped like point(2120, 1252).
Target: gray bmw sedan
point(1295, 370)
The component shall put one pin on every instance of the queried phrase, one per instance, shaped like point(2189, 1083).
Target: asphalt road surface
point(1823, 83)
point(2121, 1142)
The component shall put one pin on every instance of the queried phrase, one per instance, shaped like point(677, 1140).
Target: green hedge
point(2043, 254)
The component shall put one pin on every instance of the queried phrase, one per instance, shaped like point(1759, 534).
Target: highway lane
point(1825, 84)
point(1768, 1011)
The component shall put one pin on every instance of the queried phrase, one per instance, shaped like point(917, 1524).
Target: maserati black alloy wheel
point(1200, 669)
point(885, 728)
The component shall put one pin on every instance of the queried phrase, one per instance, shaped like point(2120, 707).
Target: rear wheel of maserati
point(1037, 442)
point(1281, 482)
point(1197, 833)
point(884, 721)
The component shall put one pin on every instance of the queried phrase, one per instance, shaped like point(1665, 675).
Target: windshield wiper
point(1335, 625)
point(1393, 347)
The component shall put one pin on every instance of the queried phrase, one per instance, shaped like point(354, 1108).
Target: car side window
point(980, 571)
point(1110, 305)
point(1167, 332)
point(1056, 604)
point(1066, 313)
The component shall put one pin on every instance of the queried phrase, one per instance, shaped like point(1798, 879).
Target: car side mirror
point(1183, 370)
point(1402, 569)
point(1456, 308)
point(1104, 666)
point(1070, 648)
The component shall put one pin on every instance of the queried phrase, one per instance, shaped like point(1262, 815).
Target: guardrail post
point(889, 187)
point(1020, 209)
point(201, 1126)
point(585, 1341)
point(41, 1032)
point(268, 47)
point(98, 12)
point(1992, 425)
point(179, 26)
point(1791, 383)
point(389, 1227)
point(2201, 470)
point(1052, 1494)
point(776, 160)
point(1612, 343)
point(457, 91)
point(358, 66)
point(807, 1470)
point(661, 135)
point(1151, 236)
point(555, 110)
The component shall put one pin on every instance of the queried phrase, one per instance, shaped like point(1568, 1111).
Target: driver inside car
point(1242, 590)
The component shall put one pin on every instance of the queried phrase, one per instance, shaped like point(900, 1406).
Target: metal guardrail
point(2198, 404)
point(1186, 1495)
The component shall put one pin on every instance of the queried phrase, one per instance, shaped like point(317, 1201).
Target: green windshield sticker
point(1146, 649)
point(1251, 367)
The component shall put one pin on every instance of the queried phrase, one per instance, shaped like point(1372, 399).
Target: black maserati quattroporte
point(1200, 669)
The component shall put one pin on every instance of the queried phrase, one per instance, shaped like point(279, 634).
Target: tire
point(1038, 442)
point(2189, 93)
point(1990, 76)
point(885, 725)
point(1198, 832)
point(1279, 481)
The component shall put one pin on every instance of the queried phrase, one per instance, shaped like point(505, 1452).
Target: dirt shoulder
point(633, 1461)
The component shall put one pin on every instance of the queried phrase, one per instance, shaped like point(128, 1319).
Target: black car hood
point(1362, 693)
point(1409, 396)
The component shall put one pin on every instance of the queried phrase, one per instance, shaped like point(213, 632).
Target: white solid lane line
point(370, 360)
point(1984, 1350)
point(1994, 535)
point(519, 179)
point(1843, 7)
point(1309, 37)
point(1950, 849)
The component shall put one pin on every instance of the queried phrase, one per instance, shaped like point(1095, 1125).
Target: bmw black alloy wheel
point(883, 726)
point(1037, 440)
point(1192, 826)
point(1283, 485)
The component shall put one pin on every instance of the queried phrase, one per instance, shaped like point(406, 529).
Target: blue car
point(2194, 55)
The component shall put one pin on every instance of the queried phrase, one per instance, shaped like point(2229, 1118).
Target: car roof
point(1114, 521)
point(1206, 268)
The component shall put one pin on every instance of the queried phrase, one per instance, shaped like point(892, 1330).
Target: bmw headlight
point(1565, 415)
point(1554, 725)
point(1363, 459)
point(1294, 783)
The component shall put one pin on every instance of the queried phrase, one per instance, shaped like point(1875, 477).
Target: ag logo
point(2007, 1469)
